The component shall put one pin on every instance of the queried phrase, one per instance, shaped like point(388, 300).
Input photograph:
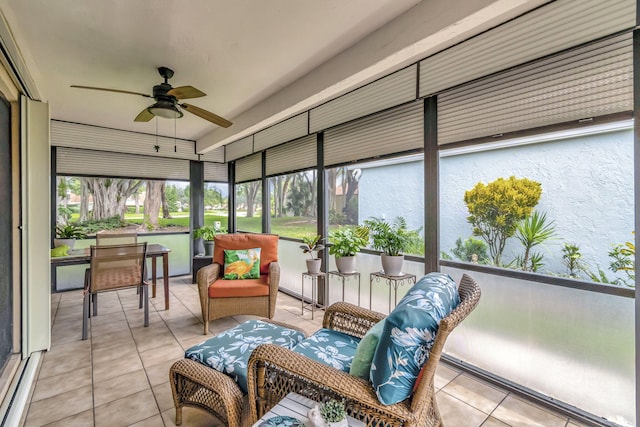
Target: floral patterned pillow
point(242, 264)
point(229, 351)
point(330, 347)
point(409, 333)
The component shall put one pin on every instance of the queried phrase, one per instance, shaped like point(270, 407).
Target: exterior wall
point(587, 189)
point(391, 191)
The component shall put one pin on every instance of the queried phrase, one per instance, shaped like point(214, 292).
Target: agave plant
point(532, 232)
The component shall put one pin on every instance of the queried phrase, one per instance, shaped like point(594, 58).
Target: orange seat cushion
point(240, 288)
point(268, 243)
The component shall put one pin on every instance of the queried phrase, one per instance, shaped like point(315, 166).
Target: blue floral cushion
point(408, 335)
point(229, 351)
point(330, 347)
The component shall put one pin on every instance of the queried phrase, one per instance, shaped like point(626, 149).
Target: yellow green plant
point(496, 209)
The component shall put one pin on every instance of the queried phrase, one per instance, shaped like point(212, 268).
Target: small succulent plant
point(333, 411)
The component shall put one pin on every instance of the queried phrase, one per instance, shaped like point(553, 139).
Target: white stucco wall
point(587, 189)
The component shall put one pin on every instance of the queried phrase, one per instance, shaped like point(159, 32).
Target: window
point(586, 178)
point(216, 204)
point(385, 189)
point(294, 204)
point(249, 206)
point(104, 203)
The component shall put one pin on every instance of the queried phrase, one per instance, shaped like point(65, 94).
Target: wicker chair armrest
point(205, 277)
point(304, 374)
point(350, 319)
point(274, 277)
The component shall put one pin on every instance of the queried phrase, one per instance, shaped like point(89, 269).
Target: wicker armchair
point(222, 298)
point(273, 371)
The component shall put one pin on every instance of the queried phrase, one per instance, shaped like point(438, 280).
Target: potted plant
point(311, 246)
point(334, 413)
point(345, 244)
point(206, 233)
point(67, 235)
point(391, 239)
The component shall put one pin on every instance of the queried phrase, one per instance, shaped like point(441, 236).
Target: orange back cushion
point(267, 242)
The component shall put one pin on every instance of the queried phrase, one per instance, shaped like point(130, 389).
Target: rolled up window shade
point(73, 161)
point(237, 149)
point(287, 130)
point(249, 168)
point(590, 81)
point(295, 155)
point(397, 130)
point(216, 172)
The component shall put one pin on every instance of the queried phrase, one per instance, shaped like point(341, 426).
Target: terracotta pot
point(392, 265)
point(313, 265)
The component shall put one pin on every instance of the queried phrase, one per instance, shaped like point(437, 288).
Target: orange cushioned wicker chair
point(274, 371)
point(221, 298)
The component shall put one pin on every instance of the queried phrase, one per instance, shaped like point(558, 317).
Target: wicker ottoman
point(200, 386)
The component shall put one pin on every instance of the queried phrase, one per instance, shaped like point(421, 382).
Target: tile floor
point(120, 375)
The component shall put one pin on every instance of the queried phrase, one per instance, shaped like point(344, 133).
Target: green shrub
point(471, 250)
point(496, 209)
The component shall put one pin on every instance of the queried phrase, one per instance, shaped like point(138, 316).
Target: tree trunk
point(252, 192)
point(165, 206)
point(152, 202)
point(84, 200)
point(136, 200)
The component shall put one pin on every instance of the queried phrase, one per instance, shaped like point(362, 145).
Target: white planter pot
point(69, 242)
point(392, 265)
point(346, 264)
point(313, 265)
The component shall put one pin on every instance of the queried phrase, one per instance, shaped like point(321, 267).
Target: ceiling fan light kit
point(166, 104)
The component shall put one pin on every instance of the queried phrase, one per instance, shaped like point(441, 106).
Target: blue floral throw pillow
point(242, 264)
point(229, 351)
point(330, 347)
point(408, 335)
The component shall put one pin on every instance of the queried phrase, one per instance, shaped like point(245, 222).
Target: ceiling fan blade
point(207, 115)
point(144, 116)
point(186, 92)
point(112, 90)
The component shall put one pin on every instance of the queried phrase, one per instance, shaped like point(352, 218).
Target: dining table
point(83, 256)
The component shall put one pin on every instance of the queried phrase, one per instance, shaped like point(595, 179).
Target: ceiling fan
point(166, 98)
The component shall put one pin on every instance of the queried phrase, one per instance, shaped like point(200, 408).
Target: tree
point(251, 191)
point(109, 196)
point(299, 198)
point(152, 204)
point(531, 232)
point(166, 209)
point(496, 209)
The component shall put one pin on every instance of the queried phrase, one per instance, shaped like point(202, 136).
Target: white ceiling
point(259, 61)
point(237, 51)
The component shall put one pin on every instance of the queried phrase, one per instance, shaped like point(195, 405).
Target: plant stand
point(343, 277)
point(390, 281)
point(314, 292)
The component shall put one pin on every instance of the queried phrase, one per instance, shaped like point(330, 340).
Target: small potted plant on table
point(329, 414)
point(206, 233)
point(67, 235)
point(311, 246)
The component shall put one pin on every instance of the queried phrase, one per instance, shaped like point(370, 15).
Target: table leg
point(165, 277)
point(314, 295)
point(302, 306)
point(154, 276)
point(358, 290)
point(389, 286)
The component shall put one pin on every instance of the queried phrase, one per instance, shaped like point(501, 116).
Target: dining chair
point(103, 239)
point(115, 267)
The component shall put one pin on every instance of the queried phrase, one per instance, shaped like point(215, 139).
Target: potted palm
point(392, 239)
point(206, 233)
point(311, 246)
point(345, 243)
point(67, 235)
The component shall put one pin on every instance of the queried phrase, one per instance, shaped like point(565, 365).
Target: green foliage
point(70, 231)
point(65, 213)
point(471, 250)
point(390, 238)
point(495, 209)
point(206, 232)
point(531, 232)
point(312, 244)
point(599, 277)
point(347, 241)
point(571, 258)
point(623, 258)
point(333, 411)
point(93, 226)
